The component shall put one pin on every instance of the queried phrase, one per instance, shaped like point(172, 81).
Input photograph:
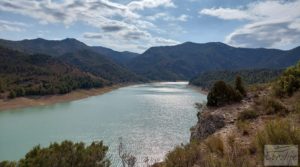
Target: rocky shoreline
point(213, 121)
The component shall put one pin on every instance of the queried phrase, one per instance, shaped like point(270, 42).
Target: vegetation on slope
point(264, 120)
point(118, 57)
point(187, 60)
point(75, 53)
point(65, 154)
point(53, 48)
point(98, 65)
point(23, 75)
point(222, 93)
point(289, 82)
point(255, 76)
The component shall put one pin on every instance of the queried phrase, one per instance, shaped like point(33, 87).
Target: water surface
point(150, 118)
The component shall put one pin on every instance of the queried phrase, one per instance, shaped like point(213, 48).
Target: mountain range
point(184, 61)
point(77, 54)
point(179, 62)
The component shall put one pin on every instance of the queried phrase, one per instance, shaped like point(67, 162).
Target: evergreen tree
point(239, 85)
point(65, 154)
point(12, 94)
point(221, 94)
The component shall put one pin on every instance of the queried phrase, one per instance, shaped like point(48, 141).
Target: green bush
point(8, 164)
point(289, 82)
point(247, 114)
point(221, 94)
point(239, 86)
point(12, 94)
point(20, 92)
point(66, 154)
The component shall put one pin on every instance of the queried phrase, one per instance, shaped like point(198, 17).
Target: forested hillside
point(49, 47)
point(187, 60)
point(101, 63)
point(256, 76)
point(119, 57)
point(98, 65)
point(23, 74)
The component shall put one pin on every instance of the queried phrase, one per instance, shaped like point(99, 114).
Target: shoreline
point(34, 101)
point(22, 102)
point(199, 89)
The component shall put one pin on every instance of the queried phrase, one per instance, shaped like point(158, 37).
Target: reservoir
point(150, 118)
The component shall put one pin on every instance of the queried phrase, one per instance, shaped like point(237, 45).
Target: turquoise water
point(150, 118)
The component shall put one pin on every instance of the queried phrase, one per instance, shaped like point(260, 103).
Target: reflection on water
point(151, 119)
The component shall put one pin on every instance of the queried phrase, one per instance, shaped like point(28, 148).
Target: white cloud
point(142, 4)
point(183, 17)
point(269, 23)
point(227, 13)
point(114, 20)
point(134, 40)
point(12, 26)
point(167, 17)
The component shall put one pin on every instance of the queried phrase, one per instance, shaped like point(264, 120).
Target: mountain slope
point(76, 53)
point(50, 47)
point(119, 57)
point(22, 74)
point(98, 65)
point(60, 47)
point(186, 60)
point(254, 76)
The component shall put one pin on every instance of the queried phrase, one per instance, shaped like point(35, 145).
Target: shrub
point(8, 164)
point(20, 92)
point(183, 156)
point(289, 82)
point(66, 154)
point(239, 86)
point(222, 94)
point(247, 114)
point(12, 94)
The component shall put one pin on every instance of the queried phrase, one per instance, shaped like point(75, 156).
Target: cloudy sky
point(136, 25)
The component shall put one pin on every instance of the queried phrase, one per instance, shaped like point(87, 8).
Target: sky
point(136, 25)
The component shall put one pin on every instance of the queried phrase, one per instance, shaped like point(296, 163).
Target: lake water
point(151, 119)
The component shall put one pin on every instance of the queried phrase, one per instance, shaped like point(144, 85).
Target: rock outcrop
point(207, 125)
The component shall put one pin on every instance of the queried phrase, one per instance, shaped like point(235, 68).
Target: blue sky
point(136, 25)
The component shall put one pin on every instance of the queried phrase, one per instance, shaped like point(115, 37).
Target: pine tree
point(239, 85)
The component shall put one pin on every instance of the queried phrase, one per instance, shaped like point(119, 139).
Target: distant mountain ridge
point(58, 48)
point(169, 63)
point(185, 61)
point(41, 46)
point(78, 54)
point(119, 57)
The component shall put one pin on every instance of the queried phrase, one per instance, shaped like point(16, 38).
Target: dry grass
point(279, 131)
point(269, 106)
point(215, 145)
point(243, 127)
point(183, 156)
point(247, 114)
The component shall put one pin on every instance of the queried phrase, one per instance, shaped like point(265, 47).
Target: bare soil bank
point(21, 102)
